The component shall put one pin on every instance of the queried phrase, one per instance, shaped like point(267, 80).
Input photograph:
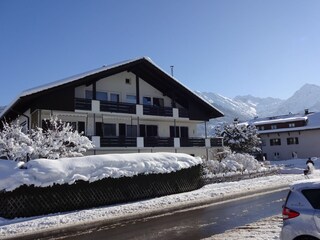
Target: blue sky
point(231, 47)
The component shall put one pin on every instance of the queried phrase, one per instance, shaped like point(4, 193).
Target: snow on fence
point(26, 201)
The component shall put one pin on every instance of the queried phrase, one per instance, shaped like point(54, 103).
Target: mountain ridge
point(248, 107)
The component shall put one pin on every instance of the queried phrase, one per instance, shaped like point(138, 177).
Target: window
point(131, 99)
point(292, 140)
point(291, 125)
point(182, 132)
point(81, 127)
point(109, 130)
point(148, 130)
point(152, 130)
point(102, 96)
point(275, 141)
point(146, 100)
point(128, 81)
point(174, 131)
point(273, 126)
point(131, 131)
point(89, 94)
point(261, 128)
point(313, 196)
point(276, 155)
point(114, 97)
point(158, 102)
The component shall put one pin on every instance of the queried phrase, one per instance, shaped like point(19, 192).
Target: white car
point(301, 211)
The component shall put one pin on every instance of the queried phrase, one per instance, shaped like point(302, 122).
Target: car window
point(313, 196)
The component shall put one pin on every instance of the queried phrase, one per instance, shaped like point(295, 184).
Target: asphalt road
point(191, 224)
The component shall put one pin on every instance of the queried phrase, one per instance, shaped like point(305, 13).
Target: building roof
point(144, 67)
point(312, 122)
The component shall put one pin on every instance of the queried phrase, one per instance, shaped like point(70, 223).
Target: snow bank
point(46, 172)
point(296, 166)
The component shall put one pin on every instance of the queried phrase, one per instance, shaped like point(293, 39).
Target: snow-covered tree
point(241, 138)
point(58, 140)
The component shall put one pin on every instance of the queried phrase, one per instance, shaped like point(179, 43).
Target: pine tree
point(241, 138)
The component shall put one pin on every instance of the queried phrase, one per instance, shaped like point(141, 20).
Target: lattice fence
point(27, 201)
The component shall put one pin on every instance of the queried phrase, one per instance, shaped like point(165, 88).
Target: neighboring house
point(289, 136)
point(133, 106)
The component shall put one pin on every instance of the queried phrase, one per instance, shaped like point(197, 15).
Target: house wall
point(308, 145)
point(117, 84)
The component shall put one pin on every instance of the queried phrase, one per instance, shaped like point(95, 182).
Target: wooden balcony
point(83, 104)
point(108, 106)
point(118, 142)
point(129, 108)
point(157, 111)
point(192, 142)
point(158, 142)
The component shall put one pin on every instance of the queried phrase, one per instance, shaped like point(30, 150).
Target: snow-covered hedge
point(46, 172)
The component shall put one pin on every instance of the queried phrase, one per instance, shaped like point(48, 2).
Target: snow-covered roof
point(312, 120)
point(281, 120)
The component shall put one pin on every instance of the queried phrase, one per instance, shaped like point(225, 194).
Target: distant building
point(289, 136)
point(132, 106)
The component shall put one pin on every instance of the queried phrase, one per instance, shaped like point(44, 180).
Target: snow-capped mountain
point(307, 97)
point(247, 107)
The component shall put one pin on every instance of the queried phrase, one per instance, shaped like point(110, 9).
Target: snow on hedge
point(46, 172)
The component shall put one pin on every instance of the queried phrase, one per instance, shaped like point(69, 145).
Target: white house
point(290, 136)
point(132, 106)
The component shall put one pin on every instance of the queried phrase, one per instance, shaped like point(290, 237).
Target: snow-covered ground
point(207, 194)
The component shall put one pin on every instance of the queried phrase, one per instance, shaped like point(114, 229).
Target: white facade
point(290, 136)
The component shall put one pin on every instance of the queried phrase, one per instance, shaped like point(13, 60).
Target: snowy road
point(80, 219)
point(265, 229)
point(193, 224)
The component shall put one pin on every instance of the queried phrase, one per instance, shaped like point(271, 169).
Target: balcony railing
point(82, 104)
point(192, 142)
point(158, 142)
point(107, 106)
point(118, 142)
point(120, 107)
point(157, 111)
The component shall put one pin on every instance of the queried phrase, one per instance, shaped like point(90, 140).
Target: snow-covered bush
point(56, 141)
point(235, 162)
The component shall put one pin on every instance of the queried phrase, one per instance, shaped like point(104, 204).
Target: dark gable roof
point(142, 67)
